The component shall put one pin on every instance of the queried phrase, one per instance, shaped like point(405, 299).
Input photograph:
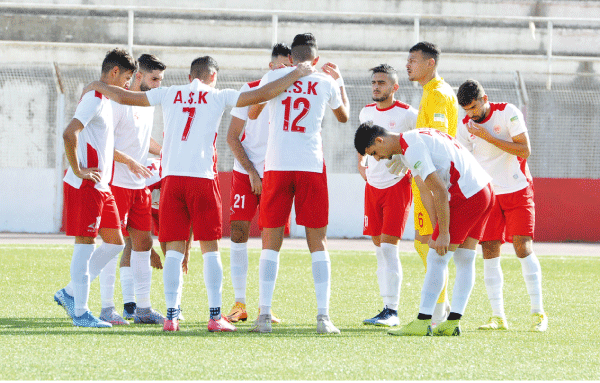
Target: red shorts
point(190, 200)
point(469, 216)
point(243, 204)
point(308, 191)
point(155, 225)
point(386, 210)
point(512, 214)
point(134, 208)
point(88, 210)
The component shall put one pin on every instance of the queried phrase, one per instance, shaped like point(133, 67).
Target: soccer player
point(133, 142)
point(387, 196)
point(89, 204)
point(190, 194)
point(438, 110)
point(497, 136)
point(247, 139)
point(295, 172)
point(459, 196)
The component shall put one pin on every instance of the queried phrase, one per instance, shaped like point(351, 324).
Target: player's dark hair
point(304, 47)
point(148, 63)
point(280, 49)
point(118, 58)
point(429, 50)
point(204, 66)
point(366, 134)
point(387, 69)
point(469, 91)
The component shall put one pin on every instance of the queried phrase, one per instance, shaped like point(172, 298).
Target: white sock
point(267, 276)
point(180, 289)
point(239, 270)
point(142, 277)
point(532, 273)
point(80, 277)
point(107, 278)
point(494, 281)
point(464, 259)
point(127, 289)
point(101, 256)
point(433, 284)
point(321, 268)
point(393, 275)
point(213, 278)
point(171, 277)
point(381, 280)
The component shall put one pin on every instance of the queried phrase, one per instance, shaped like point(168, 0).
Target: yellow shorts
point(422, 221)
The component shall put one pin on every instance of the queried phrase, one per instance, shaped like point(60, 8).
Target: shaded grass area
point(38, 341)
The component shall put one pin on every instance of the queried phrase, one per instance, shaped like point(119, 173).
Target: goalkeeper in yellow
point(438, 110)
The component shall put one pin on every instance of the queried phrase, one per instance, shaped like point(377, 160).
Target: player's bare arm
point(520, 145)
point(362, 169)
point(118, 94)
point(233, 140)
point(436, 188)
point(255, 110)
point(274, 88)
point(343, 112)
point(155, 147)
point(135, 167)
point(70, 136)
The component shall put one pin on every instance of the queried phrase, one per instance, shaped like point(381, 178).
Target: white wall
point(28, 200)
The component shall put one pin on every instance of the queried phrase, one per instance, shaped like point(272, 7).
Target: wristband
point(340, 81)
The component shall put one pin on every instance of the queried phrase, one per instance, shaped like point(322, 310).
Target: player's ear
point(271, 65)
point(315, 61)
point(485, 98)
point(396, 87)
point(116, 71)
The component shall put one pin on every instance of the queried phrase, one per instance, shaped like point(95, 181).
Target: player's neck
point(386, 103)
point(425, 80)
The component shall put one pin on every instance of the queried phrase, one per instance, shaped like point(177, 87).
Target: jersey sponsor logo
point(439, 117)
point(417, 165)
point(192, 98)
point(299, 87)
point(497, 129)
point(514, 119)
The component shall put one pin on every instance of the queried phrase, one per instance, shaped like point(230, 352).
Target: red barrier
point(567, 209)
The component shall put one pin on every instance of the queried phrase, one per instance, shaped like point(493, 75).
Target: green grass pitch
point(38, 341)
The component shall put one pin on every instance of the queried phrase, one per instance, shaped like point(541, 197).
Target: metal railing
point(274, 14)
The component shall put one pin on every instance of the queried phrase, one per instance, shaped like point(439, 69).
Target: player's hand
point(184, 264)
point(441, 244)
point(155, 261)
point(255, 183)
point(478, 130)
point(396, 166)
point(138, 169)
point(304, 69)
point(332, 70)
point(88, 88)
point(362, 170)
point(92, 174)
point(278, 66)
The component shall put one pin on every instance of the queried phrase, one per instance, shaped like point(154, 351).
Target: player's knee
point(238, 234)
point(523, 245)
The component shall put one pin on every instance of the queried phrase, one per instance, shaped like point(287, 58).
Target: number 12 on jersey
point(296, 106)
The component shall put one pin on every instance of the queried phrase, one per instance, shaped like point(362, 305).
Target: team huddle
point(475, 187)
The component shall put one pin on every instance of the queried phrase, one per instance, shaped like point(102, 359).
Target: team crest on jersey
point(136, 115)
point(497, 129)
point(392, 124)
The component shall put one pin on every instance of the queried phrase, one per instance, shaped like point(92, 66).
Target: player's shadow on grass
point(32, 323)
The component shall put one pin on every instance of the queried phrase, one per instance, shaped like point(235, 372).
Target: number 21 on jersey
point(300, 104)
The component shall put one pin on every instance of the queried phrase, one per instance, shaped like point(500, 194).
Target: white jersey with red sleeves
point(425, 151)
point(192, 114)
point(398, 118)
point(133, 125)
point(510, 173)
point(295, 118)
point(95, 144)
point(255, 135)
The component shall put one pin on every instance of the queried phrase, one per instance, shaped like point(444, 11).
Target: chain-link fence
point(562, 122)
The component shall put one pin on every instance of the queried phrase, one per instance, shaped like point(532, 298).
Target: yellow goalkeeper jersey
point(438, 108)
